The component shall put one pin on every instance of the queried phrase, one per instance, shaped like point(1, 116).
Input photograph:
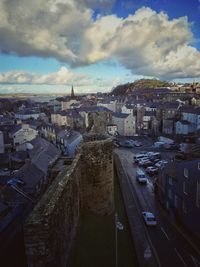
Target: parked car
point(142, 161)
point(127, 143)
point(149, 218)
point(137, 143)
point(159, 144)
point(152, 170)
point(138, 157)
point(161, 163)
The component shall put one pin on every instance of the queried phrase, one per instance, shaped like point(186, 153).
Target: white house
point(59, 118)
point(111, 105)
point(128, 108)
point(22, 133)
point(28, 114)
point(68, 103)
point(126, 123)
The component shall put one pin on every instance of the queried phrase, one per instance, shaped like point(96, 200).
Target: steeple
point(72, 92)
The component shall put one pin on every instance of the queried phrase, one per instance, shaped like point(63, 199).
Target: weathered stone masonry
point(51, 227)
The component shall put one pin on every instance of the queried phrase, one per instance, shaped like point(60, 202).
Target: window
point(170, 181)
point(186, 172)
point(184, 207)
point(176, 201)
point(170, 194)
point(198, 194)
point(185, 187)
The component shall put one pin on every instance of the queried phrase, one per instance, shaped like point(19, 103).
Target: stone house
point(70, 118)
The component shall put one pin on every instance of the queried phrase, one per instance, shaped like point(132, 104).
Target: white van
point(141, 177)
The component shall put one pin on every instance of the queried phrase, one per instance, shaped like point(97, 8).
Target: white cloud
point(62, 76)
point(148, 43)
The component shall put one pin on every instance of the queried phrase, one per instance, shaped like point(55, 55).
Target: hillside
point(143, 83)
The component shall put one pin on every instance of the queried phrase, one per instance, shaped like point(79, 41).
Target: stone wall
point(96, 177)
point(51, 227)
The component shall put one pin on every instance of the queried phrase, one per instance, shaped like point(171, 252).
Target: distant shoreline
point(28, 95)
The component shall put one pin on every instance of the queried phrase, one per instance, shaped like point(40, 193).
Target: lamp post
point(118, 226)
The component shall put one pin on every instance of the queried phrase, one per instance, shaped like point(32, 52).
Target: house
point(184, 127)
point(54, 104)
point(49, 132)
point(68, 103)
point(179, 192)
point(169, 110)
point(20, 191)
point(126, 123)
point(68, 142)
point(6, 120)
point(109, 104)
point(70, 118)
point(43, 154)
point(96, 118)
point(168, 126)
point(22, 133)
point(28, 114)
point(192, 115)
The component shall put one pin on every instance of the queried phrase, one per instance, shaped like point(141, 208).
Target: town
point(155, 134)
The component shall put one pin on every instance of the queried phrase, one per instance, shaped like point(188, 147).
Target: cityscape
point(99, 133)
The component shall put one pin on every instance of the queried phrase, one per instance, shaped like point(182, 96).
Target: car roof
point(149, 214)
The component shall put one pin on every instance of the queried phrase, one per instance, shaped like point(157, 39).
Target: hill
point(127, 88)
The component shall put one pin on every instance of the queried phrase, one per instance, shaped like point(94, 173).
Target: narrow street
point(171, 247)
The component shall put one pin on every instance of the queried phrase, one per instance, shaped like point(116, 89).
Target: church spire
point(72, 92)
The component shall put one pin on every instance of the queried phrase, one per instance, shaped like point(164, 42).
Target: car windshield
point(151, 219)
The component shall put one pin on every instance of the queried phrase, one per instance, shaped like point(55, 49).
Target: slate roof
point(31, 175)
point(18, 127)
point(150, 113)
point(120, 115)
point(28, 111)
point(190, 109)
point(94, 109)
point(43, 153)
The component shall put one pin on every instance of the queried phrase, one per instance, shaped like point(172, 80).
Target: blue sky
point(47, 47)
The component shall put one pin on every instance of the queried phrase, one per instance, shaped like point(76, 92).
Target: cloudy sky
point(48, 45)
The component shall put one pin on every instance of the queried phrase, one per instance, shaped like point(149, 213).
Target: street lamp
point(118, 226)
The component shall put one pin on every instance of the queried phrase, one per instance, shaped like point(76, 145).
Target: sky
point(48, 45)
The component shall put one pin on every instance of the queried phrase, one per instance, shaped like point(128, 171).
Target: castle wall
point(51, 227)
point(96, 177)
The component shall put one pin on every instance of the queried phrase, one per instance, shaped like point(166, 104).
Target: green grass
point(95, 243)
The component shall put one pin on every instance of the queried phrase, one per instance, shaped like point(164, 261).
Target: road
point(170, 245)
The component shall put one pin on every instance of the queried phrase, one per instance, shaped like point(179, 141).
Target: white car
point(149, 218)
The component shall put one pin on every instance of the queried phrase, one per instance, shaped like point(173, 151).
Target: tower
point(72, 92)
